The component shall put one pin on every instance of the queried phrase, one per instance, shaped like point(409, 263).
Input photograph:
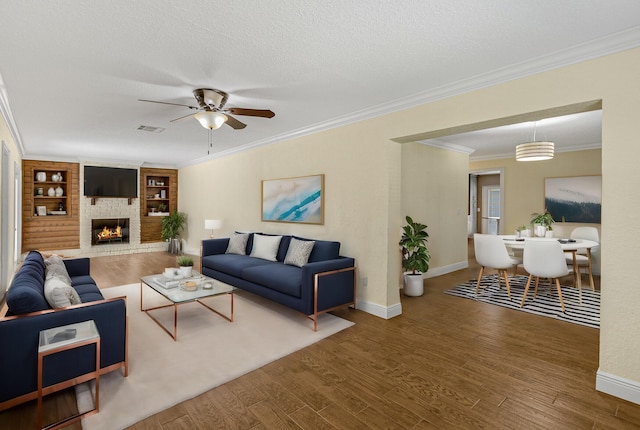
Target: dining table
point(568, 245)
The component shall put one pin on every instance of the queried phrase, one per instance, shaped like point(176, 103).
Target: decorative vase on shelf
point(51, 192)
point(59, 191)
point(40, 191)
point(55, 177)
point(60, 177)
point(41, 176)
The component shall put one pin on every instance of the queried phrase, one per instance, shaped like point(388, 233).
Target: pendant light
point(534, 150)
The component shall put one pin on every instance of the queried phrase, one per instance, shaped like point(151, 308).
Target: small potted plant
point(186, 265)
point(415, 256)
point(521, 231)
point(543, 223)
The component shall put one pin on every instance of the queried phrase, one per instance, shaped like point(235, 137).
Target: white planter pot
point(548, 233)
point(186, 271)
point(414, 285)
point(540, 230)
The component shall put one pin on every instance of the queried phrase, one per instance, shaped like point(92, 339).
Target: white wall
point(7, 201)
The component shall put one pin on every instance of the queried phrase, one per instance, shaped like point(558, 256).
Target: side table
point(64, 338)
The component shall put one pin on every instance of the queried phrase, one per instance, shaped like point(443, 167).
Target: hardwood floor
point(446, 362)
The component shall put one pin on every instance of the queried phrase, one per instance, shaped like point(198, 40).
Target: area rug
point(545, 304)
point(209, 352)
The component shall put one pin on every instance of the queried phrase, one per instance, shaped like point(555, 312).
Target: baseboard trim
point(618, 386)
point(443, 270)
point(386, 312)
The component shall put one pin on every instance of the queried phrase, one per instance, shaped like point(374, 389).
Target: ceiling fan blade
point(181, 118)
point(234, 123)
point(167, 103)
point(264, 113)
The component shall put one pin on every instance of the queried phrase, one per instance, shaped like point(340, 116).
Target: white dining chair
point(584, 259)
point(544, 259)
point(491, 252)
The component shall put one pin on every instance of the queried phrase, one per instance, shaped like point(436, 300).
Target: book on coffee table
point(166, 282)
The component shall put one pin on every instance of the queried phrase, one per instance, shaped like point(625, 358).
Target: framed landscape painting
point(298, 200)
point(574, 199)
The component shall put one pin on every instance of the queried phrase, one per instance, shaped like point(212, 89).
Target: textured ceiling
point(72, 72)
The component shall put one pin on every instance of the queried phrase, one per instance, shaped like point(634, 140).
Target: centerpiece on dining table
point(542, 224)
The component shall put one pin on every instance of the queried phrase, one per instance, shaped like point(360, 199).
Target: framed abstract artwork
point(574, 199)
point(297, 200)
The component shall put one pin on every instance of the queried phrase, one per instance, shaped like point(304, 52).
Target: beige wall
point(364, 186)
point(14, 157)
point(524, 184)
point(359, 168)
point(434, 192)
point(524, 188)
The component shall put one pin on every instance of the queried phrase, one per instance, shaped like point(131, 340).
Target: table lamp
point(212, 224)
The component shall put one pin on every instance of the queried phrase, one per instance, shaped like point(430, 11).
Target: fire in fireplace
point(109, 233)
point(110, 230)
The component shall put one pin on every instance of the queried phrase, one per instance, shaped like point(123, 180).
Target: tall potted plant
point(415, 256)
point(171, 226)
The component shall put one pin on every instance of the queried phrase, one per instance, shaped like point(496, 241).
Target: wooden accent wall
point(50, 232)
point(150, 227)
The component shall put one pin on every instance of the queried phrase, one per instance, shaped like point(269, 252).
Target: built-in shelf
point(158, 198)
point(50, 221)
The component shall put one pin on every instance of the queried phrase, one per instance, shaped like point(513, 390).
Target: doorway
point(490, 210)
point(486, 202)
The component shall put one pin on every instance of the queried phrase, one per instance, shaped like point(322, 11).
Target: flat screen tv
point(110, 182)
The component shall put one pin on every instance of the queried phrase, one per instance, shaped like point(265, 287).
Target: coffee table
point(177, 296)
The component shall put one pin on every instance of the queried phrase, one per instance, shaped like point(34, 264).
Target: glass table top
point(188, 289)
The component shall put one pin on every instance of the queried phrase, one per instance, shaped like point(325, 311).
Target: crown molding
point(607, 45)
point(448, 146)
point(600, 47)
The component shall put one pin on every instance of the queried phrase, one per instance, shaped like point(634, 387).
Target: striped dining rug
point(545, 304)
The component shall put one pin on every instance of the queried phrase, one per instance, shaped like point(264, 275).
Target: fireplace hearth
point(105, 231)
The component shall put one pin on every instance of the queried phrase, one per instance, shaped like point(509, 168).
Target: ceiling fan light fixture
point(535, 151)
point(210, 119)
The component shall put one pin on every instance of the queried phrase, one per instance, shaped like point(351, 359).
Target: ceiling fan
point(211, 111)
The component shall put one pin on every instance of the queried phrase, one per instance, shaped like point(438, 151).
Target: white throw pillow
point(59, 294)
point(238, 244)
point(265, 247)
point(299, 252)
point(55, 268)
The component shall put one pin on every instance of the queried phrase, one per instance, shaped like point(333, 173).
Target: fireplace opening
point(109, 230)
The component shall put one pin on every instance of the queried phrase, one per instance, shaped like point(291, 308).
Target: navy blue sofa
point(27, 312)
point(325, 283)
